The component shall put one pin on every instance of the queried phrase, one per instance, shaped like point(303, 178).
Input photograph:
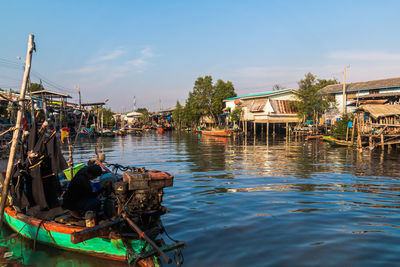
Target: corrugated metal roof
point(283, 106)
point(48, 93)
point(362, 86)
point(261, 94)
point(258, 105)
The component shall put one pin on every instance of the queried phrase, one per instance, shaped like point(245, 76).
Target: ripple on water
point(257, 204)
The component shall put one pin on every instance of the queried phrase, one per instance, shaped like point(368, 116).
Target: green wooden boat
point(337, 142)
point(59, 235)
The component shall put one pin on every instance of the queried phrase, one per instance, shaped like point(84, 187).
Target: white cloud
point(87, 69)
point(268, 72)
point(110, 56)
point(106, 68)
point(147, 52)
point(137, 62)
point(364, 56)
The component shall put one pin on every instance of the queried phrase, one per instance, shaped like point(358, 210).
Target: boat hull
point(217, 133)
point(59, 235)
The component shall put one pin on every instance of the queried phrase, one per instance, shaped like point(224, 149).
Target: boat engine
point(140, 193)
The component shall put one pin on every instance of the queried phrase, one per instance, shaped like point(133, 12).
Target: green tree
point(222, 90)
point(340, 129)
point(108, 117)
point(36, 87)
point(235, 114)
point(145, 114)
point(178, 114)
point(311, 102)
point(206, 99)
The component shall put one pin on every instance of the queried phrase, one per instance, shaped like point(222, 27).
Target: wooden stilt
point(14, 141)
point(370, 142)
point(287, 130)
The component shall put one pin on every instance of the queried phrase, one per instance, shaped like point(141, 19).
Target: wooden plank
point(92, 232)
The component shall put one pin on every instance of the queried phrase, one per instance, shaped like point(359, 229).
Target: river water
point(259, 203)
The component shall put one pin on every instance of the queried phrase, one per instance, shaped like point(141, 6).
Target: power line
point(47, 81)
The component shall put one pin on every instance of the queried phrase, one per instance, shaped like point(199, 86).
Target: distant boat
point(108, 133)
point(313, 137)
point(217, 133)
point(337, 142)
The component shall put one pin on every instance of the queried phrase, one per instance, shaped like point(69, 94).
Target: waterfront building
point(276, 107)
point(384, 91)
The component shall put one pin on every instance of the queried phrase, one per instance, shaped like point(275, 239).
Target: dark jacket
point(78, 189)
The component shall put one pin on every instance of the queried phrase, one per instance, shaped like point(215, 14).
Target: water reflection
point(261, 202)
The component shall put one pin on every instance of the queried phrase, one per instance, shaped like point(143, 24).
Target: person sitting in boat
point(79, 196)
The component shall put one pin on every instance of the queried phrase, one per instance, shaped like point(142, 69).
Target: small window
point(374, 91)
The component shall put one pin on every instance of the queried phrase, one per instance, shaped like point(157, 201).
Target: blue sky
point(156, 49)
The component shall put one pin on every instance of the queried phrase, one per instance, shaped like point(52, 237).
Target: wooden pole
point(70, 160)
point(145, 237)
point(255, 128)
point(245, 128)
point(344, 91)
point(287, 130)
point(80, 121)
point(16, 133)
point(102, 120)
point(30, 95)
point(353, 129)
point(370, 142)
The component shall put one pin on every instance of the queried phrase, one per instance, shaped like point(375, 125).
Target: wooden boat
point(113, 239)
point(61, 235)
point(217, 133)
point(337, 142)
point(313, 137)
point(34, 209)
point(120, 132)
point(108, 133)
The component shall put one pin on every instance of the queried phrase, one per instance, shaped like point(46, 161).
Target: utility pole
point(4, 195)
point(78, 130)
point(344, 90)
point(159, 104)
point(80, 100)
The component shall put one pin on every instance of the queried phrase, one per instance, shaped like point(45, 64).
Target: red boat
point(217, 133)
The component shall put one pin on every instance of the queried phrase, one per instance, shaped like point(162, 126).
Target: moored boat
point(134, 203)
point(224, 133)
point(337, 142)
point(112, 247)
point(108, 133)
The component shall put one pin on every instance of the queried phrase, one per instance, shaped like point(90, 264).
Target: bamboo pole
point(353, 129)
point(102, 120)
point(16, 133)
